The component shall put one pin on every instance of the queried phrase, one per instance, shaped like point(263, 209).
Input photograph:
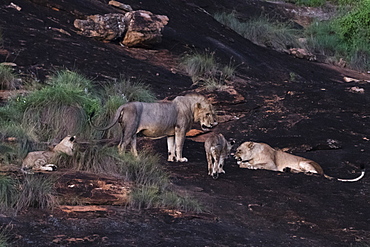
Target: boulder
point(302, 53)
point(103, 27)
point(144, 29)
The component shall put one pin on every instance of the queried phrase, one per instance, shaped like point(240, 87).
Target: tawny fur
point(217, 149)
point(44, 160)
point(254, 155)
point(156, 120)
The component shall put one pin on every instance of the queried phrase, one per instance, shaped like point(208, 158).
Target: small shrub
point(6, 77)
point(205, 71)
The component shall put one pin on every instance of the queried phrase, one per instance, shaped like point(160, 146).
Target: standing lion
point(156, 120)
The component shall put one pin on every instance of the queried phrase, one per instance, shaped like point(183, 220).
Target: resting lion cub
point(253, 155)
point(43, 160)
point(217, 149)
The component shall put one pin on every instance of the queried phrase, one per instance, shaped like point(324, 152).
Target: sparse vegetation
point(151, 182)
point(318, 3)
point(205, 71)
point(8, 192)
point(344, 37)
point(4, 238)
point(262, 31)
point(37, 192)
point(62, 107)
point(34, 191)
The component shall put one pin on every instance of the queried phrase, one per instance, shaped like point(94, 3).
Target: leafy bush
point(205, 71)
point(262, 31)
point(354, 27)
point(347, 36)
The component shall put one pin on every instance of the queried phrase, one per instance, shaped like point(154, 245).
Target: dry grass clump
point(35, 191)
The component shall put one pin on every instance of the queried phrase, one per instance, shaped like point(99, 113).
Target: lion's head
point(66, 145)
point(205, 114)
point(245, 153)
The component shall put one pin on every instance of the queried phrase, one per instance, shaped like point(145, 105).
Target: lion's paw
point(183, 159)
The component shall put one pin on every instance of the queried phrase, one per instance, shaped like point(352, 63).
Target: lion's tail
point(349, 179)
point(113, 122)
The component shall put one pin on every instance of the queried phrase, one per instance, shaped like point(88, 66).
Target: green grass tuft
point(6, 77)
point(37, 191)
point(205, 71)
point(8, 192)
point(262, 31)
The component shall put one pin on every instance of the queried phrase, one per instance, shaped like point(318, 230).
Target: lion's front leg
point(171, 148)
point(179, 144)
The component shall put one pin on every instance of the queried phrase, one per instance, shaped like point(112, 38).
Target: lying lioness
point(253, 155)
point(43, 160)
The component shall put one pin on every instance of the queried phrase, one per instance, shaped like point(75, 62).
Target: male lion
point(217, 149)
point(43, 160)
point(156, 120)
point(253, 155)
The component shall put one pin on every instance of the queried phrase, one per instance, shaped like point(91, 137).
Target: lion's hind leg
point(35, 166)
point(215, 153)
point(48, 167)
point(209, 162)
point(221, 164)
point(307, 167)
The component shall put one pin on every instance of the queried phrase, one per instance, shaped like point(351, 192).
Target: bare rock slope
point(301, 106)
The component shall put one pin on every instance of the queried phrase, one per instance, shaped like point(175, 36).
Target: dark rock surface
point(289, 103)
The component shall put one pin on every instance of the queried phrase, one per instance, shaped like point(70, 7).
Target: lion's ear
point(250, 145)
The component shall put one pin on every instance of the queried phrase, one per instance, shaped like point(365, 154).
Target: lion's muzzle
point(211, 125)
